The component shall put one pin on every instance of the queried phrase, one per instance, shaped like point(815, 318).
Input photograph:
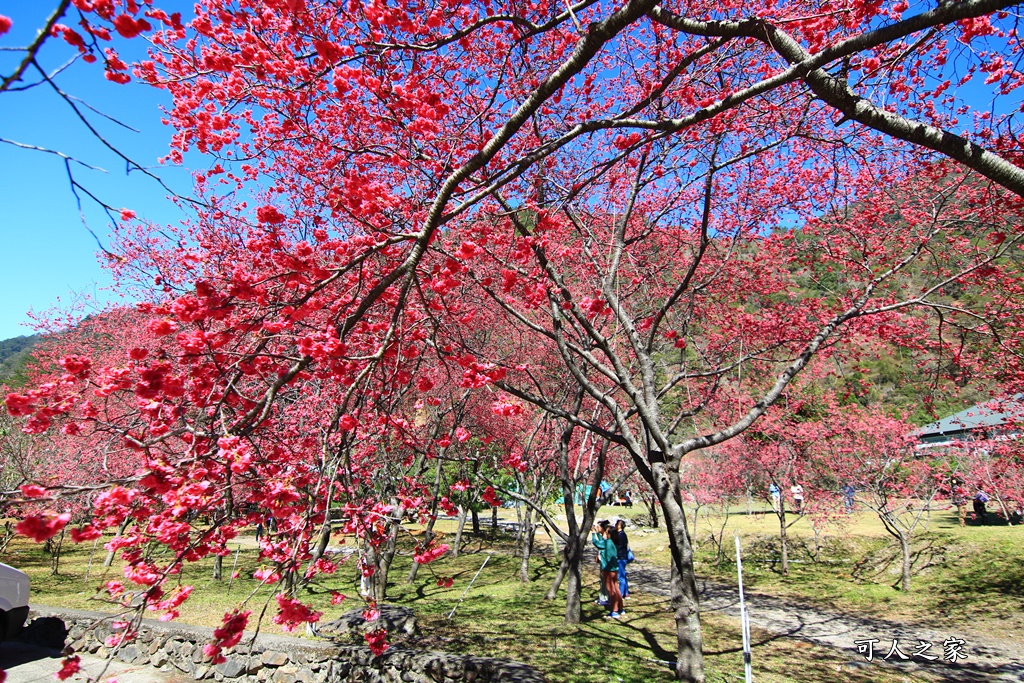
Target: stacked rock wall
point(268, 659)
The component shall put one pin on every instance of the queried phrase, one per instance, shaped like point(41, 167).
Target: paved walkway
point(988, 660)
point(30, 664)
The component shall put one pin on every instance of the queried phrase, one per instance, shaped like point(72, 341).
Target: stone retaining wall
point(270, 659)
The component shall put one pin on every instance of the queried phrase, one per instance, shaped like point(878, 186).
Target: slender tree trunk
point(494, 519)
point(55, 557)
point(476, 522)
point(428, 536)
point(109, 559)
point(229, 511)
point(323, 540)
point(457, 546)
point(386, 555)
point(651, 503)
point(367, 586)
point(783, 539)
point(526, 545)
point(563, 568)
point(905, 549)
point(685, 597)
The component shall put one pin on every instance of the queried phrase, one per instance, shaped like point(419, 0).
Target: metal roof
point(992, 413)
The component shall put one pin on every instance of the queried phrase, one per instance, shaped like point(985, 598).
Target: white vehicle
point(13, 601)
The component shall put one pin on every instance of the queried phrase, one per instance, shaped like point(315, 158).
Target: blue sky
point(49, 256)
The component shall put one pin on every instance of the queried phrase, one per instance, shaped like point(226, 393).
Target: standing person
point(776, 495)
point(621, 541)
point(980, 498)
point(609, 567)
point(848, 494)
point(959, 499)
point(602, 591)
point(798, 497)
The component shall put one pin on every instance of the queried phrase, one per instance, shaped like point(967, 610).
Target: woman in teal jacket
point(609, 567)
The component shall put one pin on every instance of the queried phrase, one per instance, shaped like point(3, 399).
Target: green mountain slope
point(15, 355)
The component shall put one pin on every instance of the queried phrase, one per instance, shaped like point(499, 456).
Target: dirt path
point(988, 660)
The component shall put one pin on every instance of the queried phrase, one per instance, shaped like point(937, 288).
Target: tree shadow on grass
point(979, 584)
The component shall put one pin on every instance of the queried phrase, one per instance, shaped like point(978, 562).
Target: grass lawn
point(500, 617)
point(972, 576)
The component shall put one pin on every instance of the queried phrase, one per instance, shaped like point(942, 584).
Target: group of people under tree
point(614, 554)
point(796, 490)
point(959, 497)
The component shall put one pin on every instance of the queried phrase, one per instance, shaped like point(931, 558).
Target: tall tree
point(627, 182)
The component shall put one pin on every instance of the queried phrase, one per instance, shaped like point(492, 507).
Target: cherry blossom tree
point(874, 453)
point(644, 189)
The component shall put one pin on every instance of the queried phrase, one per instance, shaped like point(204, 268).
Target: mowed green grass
point(972, 576)
point(969, 577)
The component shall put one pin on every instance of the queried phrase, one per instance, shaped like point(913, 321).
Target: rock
point(129, 653)
point(273, 658)
point(201, 672)
point(282, 676)
point(232, 667)
point(253, 665)
point(158, 659)
point(394, 618)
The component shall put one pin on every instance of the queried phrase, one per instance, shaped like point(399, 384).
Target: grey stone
point(283, 677)
point(232, 667)
point(394, 618)
point(129, 653)
point(182, 664)
point(158, 659)
point(274, 658)
point(253, 665)
point(201, 672)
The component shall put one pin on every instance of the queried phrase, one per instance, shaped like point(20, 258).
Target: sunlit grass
point(499, 616)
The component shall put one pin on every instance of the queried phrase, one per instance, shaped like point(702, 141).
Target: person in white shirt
point(798, 497)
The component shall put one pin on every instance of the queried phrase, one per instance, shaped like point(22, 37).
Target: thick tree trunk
point(457, 545)
point(574, 582)
point(685, 597)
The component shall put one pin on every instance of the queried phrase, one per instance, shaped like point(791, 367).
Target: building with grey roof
point(998, 418)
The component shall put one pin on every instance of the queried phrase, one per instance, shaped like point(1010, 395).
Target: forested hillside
point(15, 354)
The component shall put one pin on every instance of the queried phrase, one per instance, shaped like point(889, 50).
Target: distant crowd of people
point(959, 494)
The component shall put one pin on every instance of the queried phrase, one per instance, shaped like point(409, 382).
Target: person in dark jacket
point(609, 567)
point(980, 498)
point(621, 541)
